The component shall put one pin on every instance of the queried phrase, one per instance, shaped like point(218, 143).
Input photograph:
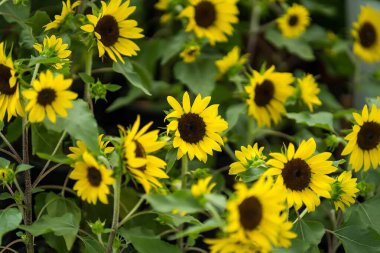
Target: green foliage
point(322, 120)
point(135, 74)
point(9, 219)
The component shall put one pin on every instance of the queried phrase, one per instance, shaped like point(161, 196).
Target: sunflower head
point(113, 31)
point(54, 47)
point(67, 9)
point(230, 244)
point(7, 176)
point(196, 128)
point(250, 156)
point(231, 62)
point(366, 34)
point(309, 91)
point(343, 190)
point(190, 53)
point(164, 6)
point(267, 94)
point(294, 22)
point(202, 187)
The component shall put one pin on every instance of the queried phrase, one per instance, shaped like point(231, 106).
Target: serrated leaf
point(356, 239)
point(322, 120)
point(133, 74)
point(9, 219)
point(309, 231)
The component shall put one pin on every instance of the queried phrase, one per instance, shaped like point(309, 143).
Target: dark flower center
point(293, 20)
point(367, 35)
point(264, 93)
point(5, 75)
point(108, 29)
point(192, 127)
point(94, 176)
point(46, 96)
point(250, 212)
point(369, 135)
point(205, 14)
point(296, 174)
point(140, 152)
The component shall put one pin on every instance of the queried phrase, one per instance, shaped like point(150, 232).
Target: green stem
point(129, 215)
point(304, 212)
point(116, 211)
point(87, 88)
point(184, 169)
point(229, 151)
point(14, 152)
point(254, 27)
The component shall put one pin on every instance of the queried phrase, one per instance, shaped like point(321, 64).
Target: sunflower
point(366, 33)
point(212, 19)
point(163, 5)
point(255, 214)
point(190, 53)
point(231, 244)
point(267, 94)
point(302, 175)
point(309, 91)
point(294, 22)
point(67, 8)
point(197, 128)
point(92, 179)
point(230, 61)
point(247, 156)
point(202, 187)
point(54, 47)
point(9, 88)
point(364, 140)
point(343, 190)
point(137, 148)
point(114, 31)
point(104, 145)
point(81, 148)
point(49, 96)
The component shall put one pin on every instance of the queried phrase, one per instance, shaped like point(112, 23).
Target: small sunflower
point(364, 140)
point(212, 19)
point(163, 5)
point(54, 47)
point(302, 175)
point(202, 187)
point(67, 8)
point(9, 88)
point(92, 179)
point(267, 95)
point(294, 22)
point(139, 162)
point(247, 156)
point(81, 148)
point(255, 214)
point(104, 145)
point(190, 53)
point(49, 96)
point(230, 61)
point(367, 34)
point(343, 190)
point(114, 31)
point(197, 128)
point(309, 91)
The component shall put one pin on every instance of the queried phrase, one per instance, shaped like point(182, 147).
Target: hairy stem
point(87, 88)
point(116, 211)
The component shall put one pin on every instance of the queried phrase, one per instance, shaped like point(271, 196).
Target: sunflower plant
point(175, 126)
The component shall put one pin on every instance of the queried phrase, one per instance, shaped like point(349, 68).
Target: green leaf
point(44, 140)
point(134, 74)
point(365, 214)
point(357, 239)
point(177, 220)
point(9, 219)
point(322, 120)
point(4, 163)
point(15, 13)
point(58, 158)
point(198, 76)
point(298, 245)
point(91, 245)
point(197, 229)
point(86, 78)
point(171, 158)
point(233, 112)
point(37, 21)
point(4, 196)
point(173, 47)
point(309, 231)
point(126, 100)
point(113, 87)
point(23, 167)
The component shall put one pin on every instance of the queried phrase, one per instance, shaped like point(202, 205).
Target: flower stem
point(116, 211)
point(15, 155)
point(129, 215)
point(300, 216)
point(184, 169)
point(87, 90)
point(254, 28)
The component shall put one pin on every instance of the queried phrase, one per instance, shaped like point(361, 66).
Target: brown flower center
point(205, 14)
point(140, 152)
point(108, 29)
point(46, 96)
point(296, 174)
point(192, 127)
point(5, 75)
point(369, 136)
point(94, 176)
point(264, 93)
point(250, 213)
point(367, 35)
point(293, 20)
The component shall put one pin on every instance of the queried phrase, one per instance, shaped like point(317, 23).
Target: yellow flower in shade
point(104, 145)
point(114, 31)
point(343, 190)
point(67, 8)
point(81, 148)
point(211, 19)
point(190, 53)
point(231, 60)
point(9, 88)
point(49, 96)
point(366, 33)
point(364, 140)
point(54, 47)
point(92, 180)
point(139, 162)
point(197, 128)
point(302, 175)
point(202, 187)
point(255, 214)
point(268, 93)
point(294, 22)
point(163, 5)
point(309, 91)
point(247, 156)
point(232, 244)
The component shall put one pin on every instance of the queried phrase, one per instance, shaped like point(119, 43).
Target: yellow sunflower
point(231, 60)
point(364, 140)
point(343, 190)
point(190, 53)
point(54, 47)
point(50, 96)
point(114, 31)
point(267, 94)
point(9, 88)
point(92, 180)
point(81, 148)
point(255, 214)
point(163, 5)
point(366, 33)
point(302, 175)
point(309, 91)
point(294, 22)
point(211, 19)
point(104, 145)
point(196, 128)
point(247, 156)
point(202, 187)
point(232, 244)
point(139, 162)
point(67, 8)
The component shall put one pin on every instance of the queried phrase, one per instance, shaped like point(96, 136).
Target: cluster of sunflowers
point(271, 193)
